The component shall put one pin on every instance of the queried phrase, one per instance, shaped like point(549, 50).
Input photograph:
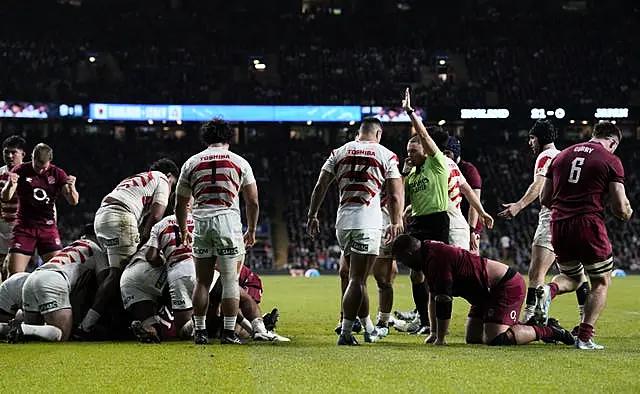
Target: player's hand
point(406, 101)
point(440, 342)
point(313, 226)
point(13, 178)
point(249, 238)
point(407, 165)
point(512, 209)
point(486, 219)
point(392, 233)
point(187, 239)
point(71, 180)
point(474, 245)
point(430, 339)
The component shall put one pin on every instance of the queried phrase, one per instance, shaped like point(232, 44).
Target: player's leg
point(181, 291)
point(519, 334)
point(205, 270)
point(48, 242)
point(343, 272)
point(33, 327)
point(145, 325)
point(600, 278)
point(474, 329)
point(251, 314)
point(542, 259)
point(362, 246)
point(420, 294)
point(22, 245)
point(384, 272)
point(118, 233)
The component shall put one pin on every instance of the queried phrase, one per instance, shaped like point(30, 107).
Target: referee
point(427, 187)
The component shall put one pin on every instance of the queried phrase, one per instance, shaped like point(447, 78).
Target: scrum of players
point(138, 269)
point(181, 275)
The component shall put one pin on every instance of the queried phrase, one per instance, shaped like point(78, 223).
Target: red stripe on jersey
point(454, 197)
point(354, 200)
point(150, 176)
point(542, 162)
point(210, 165)
point(354, 187)
point(218, 178)
point(360, 176)
point(67, 255)
point(361, 160)
point(215, 201)
point(453, 173)
point(172, 229)
point(180, 259)
point(56, 261)
point(394, 157)
point(214, 189)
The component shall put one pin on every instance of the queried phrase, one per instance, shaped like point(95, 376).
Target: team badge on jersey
point(51, 180)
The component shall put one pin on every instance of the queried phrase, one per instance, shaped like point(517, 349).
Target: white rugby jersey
point(215, 178)
point(79, 257)
point(360, 169)
point(139, 191)
point(165, 236)
point(9, 209)
point(456, 179)
point(542, 165)
point(11, 292)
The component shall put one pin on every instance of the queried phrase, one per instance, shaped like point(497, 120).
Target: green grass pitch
point(313, 363)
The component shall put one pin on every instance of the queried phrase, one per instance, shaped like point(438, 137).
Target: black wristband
point(410, 111)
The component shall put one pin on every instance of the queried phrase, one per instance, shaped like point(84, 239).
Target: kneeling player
point(494, 290)
point(46, 292)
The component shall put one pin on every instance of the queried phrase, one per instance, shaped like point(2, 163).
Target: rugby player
point(11, 301)
point(215, 177)
point(116, 225)
point(37, 185)
point(13, 155)
point(360, 168)
point(574, 189)
point(46, 291)
point(494, 290)
point(472, 176)
point(542, 142)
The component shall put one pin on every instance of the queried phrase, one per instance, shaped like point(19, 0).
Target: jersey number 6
point(576, 169)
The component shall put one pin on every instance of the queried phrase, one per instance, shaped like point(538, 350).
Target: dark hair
point(165, 166)
point(606, 129)
point(439, 136)
point(404, 243)
point(216, 131)
point(42, 153)
point(15, 141)
point(544, 131)
point(370, 124)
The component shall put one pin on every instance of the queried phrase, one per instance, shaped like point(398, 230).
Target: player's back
point(137, 192)
point(215, 177)
point(456, 179)
point(80, 256)
point(581, 175)
point(166, 235)
point(467, 271)
point(360, 169)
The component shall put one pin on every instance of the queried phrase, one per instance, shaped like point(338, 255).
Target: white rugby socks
point(48, 333)
point(229, 323)
point(384, 317)
point(347, 326)
point(200, 322)
point(368, 324)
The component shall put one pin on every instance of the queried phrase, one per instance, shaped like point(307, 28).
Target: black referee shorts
point(433, 227)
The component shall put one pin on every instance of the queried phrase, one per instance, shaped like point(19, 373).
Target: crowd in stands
point(198, 54)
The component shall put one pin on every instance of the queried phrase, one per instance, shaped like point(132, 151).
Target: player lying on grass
point(494, 290)
point(46, 294)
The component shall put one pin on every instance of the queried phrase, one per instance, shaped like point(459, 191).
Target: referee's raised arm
point(429, 146)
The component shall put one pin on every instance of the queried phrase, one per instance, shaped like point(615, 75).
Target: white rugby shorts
point(46, 291)
point(117, 231)
point(142, 282)
point(460, 237)
point(11, 293)
point(365, 241)
point(181, 278)
point(219, 236)
point(542, 237)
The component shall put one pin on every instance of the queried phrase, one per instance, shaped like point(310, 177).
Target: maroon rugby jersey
point(37, 193)
point(581, 175)
point(471, 174)
point(455, 272)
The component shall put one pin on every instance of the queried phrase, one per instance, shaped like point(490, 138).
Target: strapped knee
point(384, 285)
point(229, 275)
point(507, 338)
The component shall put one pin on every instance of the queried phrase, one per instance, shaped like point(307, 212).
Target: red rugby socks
point(553, 289)
point(585, 332)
